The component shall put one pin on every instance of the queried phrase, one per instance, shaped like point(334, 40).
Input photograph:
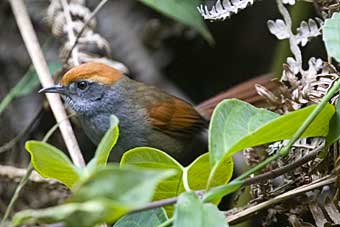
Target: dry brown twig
point(39, 62)
point(233, 218)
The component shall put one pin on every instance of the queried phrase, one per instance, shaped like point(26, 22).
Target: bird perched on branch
point(147, 116)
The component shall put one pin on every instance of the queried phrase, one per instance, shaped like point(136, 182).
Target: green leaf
point(334, 126)
point(105, 146)
point(331, 36)
point(191, 211)
point(149, 218)
point(148, 157)
point(130, 186)
point(50, 162)
point(26, 85)
point(184, 12)
point(197, 173)
point(87, 214)
point(218, 192)
point(236, 125)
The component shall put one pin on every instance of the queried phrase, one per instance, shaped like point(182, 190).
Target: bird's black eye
point(82, 85)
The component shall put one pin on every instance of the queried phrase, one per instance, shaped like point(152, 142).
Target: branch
point(14, 174)
point(269, 175)
point(10, 144)
point(280, 171)
point(87, 22)
point(39, 62)
point(234, 218)
point(70, 32)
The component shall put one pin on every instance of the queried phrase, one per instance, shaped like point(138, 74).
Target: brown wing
point(176, 118)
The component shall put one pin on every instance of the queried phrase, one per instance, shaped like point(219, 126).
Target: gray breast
point(132, 129)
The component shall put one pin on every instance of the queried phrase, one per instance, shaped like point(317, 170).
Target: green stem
point(223, 190)
point(14, 198)
point(167, 222)
point(25, 178)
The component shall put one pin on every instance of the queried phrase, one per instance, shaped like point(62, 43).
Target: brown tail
point(245, 91)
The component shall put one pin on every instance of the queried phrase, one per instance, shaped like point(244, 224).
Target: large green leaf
point(236, 125)
point(197, 173)
point(191, 211)
point(87, 214)
point(334, 126)
point(26, 85)
point(153, 158)
point(331, 36)
point(183, 11)
point(50, 162)
point(127, 185)
point(105, 146)
point(149, 218)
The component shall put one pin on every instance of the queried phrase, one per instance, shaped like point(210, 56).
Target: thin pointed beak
point(54, 89)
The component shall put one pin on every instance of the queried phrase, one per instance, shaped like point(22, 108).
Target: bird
point(147, 115)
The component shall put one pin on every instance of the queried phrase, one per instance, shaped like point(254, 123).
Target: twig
point(13, 174)
point(27, 175)
point(225, 189)
point(167, 222)
point(16, 194)
point(93, 14)
point(39, 62)
point(13, 141)
point(157, 204)
point(70, 32)
point(234, 218)
point(249, 181)
point(280, 171)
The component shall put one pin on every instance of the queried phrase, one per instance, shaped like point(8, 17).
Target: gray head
point(86, 88)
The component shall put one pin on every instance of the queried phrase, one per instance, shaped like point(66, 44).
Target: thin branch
point(87, 22)
point(280, 171)
point(234, 218)
point(163, 202)
point(269, 175)
point(39, 62)
point(12, 142)
point(27, 175)
point(16, 194)
point(70, 31)
point(157, 204)
point(13, 174)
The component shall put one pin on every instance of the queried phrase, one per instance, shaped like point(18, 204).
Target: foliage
point(189, 207)
point(26, 85)
point(331, 36)
point(100, 193)
point(254, 126)
point(150, 218)
point(146, 173)
point(193, 177)
point(53, 163)
point(183, 11)
point(334, 129)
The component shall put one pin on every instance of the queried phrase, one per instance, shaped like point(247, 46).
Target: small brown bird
point(147, 116)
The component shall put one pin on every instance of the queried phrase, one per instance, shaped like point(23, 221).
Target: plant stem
point(16, 194)
point(226, 189)
point(167, 222)
point(32, 44)
point(90, 18)
point(25, 178)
